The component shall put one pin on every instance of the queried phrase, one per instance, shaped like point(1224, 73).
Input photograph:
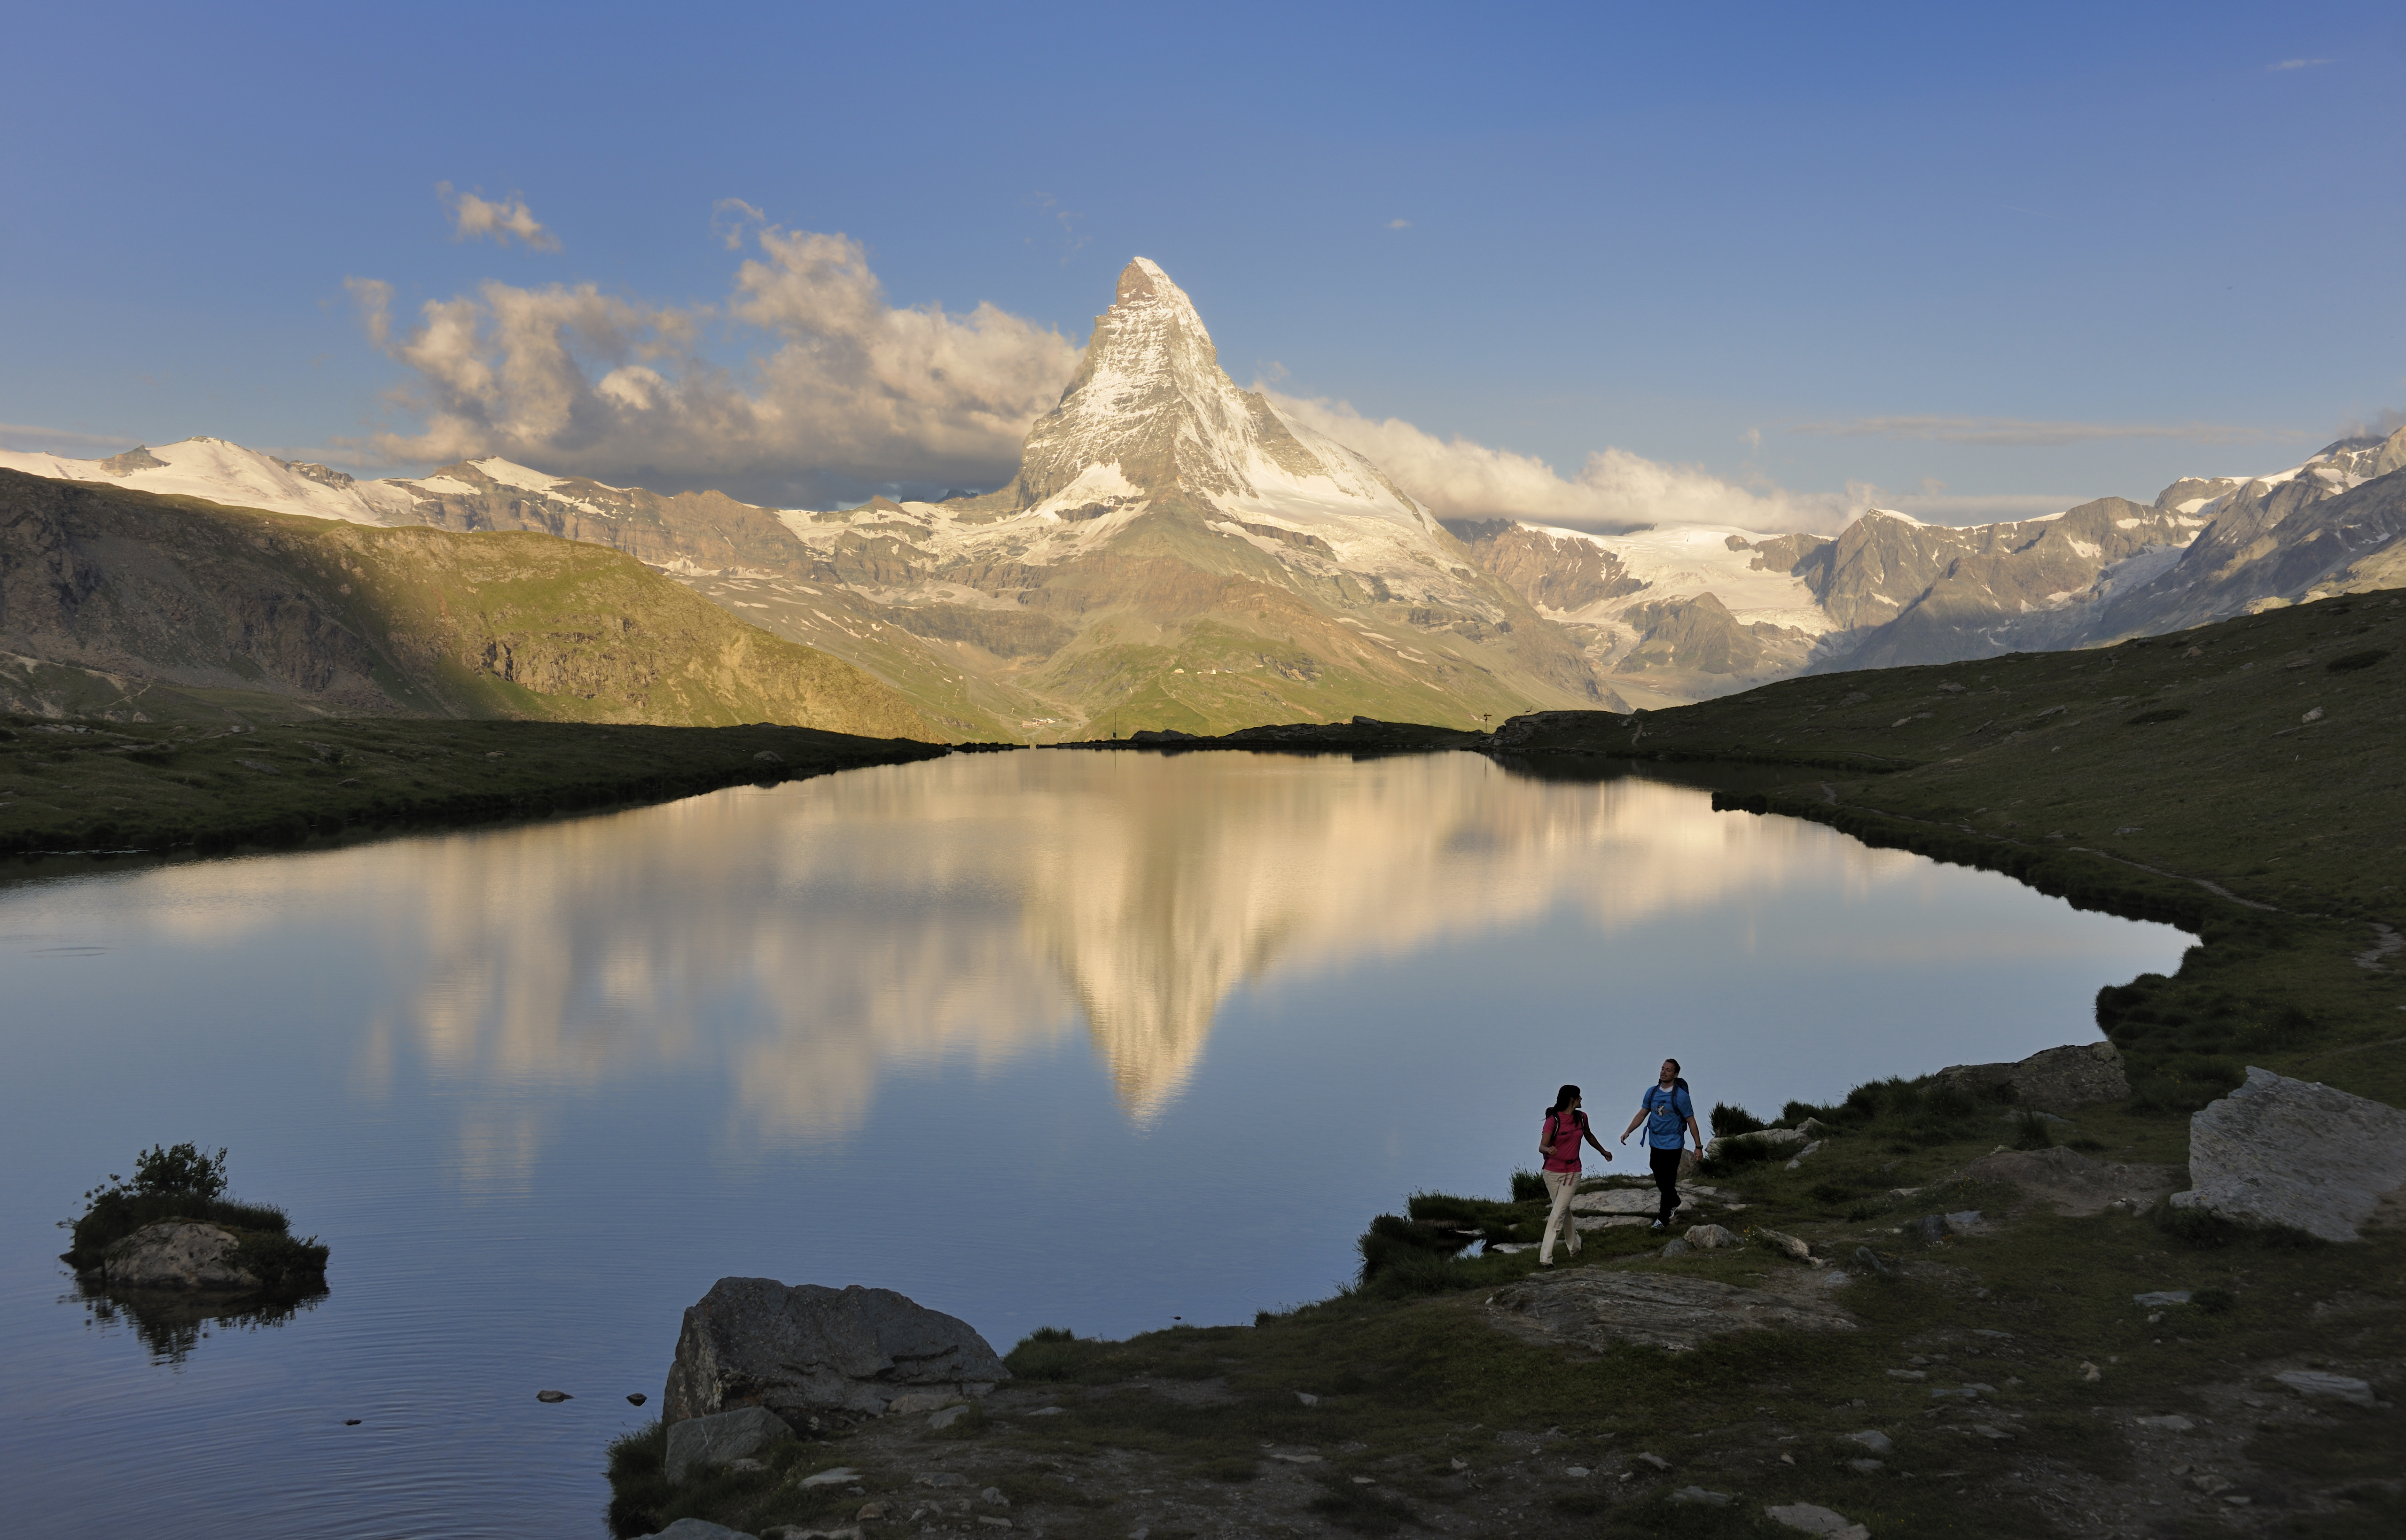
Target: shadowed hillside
point(138, 607)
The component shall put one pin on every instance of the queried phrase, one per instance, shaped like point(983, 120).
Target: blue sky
point(1974, 261)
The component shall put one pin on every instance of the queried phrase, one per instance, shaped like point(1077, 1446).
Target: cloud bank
point(473, 217)
point(2019, 432)
point(841, 391)
point(1457, 478)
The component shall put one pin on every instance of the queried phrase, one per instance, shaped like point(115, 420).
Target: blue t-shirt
point(1667, 1113)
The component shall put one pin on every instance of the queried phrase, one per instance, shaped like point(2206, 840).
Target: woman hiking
point(1666, 1110)
point(1559, 1142)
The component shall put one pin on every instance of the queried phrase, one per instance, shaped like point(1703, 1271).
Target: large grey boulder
point(177, 1254)
point(2055, 1080)
point(1765, 1141)
point(2295, 1152)
point(723, 1436)
point(805, 1349)
point(698, 1529)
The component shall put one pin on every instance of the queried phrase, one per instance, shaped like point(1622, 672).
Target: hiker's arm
point(1597, 1142)
point(1695, 1132)
point(1633, 1126)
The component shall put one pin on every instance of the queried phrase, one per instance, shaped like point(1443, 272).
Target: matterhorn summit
point(1151, 411)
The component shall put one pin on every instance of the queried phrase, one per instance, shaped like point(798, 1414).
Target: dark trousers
point(1667, 1177)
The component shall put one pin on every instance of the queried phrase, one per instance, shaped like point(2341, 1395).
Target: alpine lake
point(1103, 1041)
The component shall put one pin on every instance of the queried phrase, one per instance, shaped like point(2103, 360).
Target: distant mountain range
point(1175, 553)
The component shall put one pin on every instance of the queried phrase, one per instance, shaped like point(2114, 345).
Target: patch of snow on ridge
point(510, 474)
point(1688, 560)
point(225, 473)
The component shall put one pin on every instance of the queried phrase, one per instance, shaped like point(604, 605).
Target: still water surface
point(1087, 1040)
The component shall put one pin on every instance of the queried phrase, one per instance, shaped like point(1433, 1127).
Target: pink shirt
point(1563, 1136)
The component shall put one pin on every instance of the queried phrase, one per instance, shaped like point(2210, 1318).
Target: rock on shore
point(2056, 1079)
point(2297, 1153)
point(806, 1349)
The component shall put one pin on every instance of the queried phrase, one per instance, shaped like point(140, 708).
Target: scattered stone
point(350, 1422)
point(1985, 1431)
point(1698, 1494)
point(872, 1511)
point(2243, 1161)
point(1872, 1439)
point(1645, 1202)
point(842, 1476)
point(1906, 1374)
point(1766, 1142)
point(1786, 1245)
point(2000, 1336)
point(747, 1465)
point(1299, 1458)
point(806, 1348)
point(994, 1494)
point(993, 1521)
point(2073, 1183)
point(1576, 1472)
point(636, 1398)
point(723, 1436)
point(1050, 1411)
point(1816, 1520)
point(2162, 1296)
point(2090, 1374)
point(2337, 1387)
point(944, 1417)
point(940, 1478)
point(1798, 1159)
point(175, 1255)
point(2056, 1079)
point(1930, 1229)
point(553, 1398)
point(1711, 1238)
point(1871, 1258)
point(1306, 1398)
point(2174, 1423)
point(1656, 1461)
point(1676, 1247)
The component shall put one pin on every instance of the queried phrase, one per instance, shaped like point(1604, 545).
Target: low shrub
point(2030, 1132)
point(1528, 1187)
point(1727, 1119)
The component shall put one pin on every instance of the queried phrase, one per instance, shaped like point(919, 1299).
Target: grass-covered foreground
point(97, 787)
point(1428, 1417)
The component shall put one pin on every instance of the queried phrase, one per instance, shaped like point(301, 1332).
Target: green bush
point(183, 1183)
point(1528, 1187)
point(2030, 1132)
point(1727, 1119)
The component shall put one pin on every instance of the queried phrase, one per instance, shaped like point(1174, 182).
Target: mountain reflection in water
point(970, 908)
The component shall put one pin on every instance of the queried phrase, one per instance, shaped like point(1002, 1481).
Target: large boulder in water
point(2297, 1153)
point(805, 1349)
point(177, 1254)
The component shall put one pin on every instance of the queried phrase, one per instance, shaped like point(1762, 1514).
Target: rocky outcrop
point(806, 1349)
point(2072, 1183)
point(2278, 1152)
point(177, 1255)
point(1592, 1309)
point(723, 1436)
point(2055, 1080)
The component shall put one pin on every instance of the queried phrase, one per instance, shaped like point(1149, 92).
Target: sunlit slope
point(132, 605)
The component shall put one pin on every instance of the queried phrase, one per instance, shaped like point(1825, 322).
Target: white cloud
point(839, 389)
point(2295, 64)
point(2021, 431)
point(1457, 478)
point(473, 217)
point(1400, 225)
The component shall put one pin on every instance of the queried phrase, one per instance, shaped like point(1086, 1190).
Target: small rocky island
point(171, 1251)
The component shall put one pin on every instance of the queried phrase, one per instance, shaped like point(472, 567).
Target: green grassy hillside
point(2242, 780)
point(138, 607)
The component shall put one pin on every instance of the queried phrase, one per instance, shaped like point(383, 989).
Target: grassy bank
point(87, 787)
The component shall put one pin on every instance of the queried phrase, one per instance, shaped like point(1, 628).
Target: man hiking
point(1666, 1108)
point(1558, 1142)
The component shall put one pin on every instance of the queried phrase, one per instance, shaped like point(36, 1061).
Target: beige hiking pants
point(1561, 1184)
